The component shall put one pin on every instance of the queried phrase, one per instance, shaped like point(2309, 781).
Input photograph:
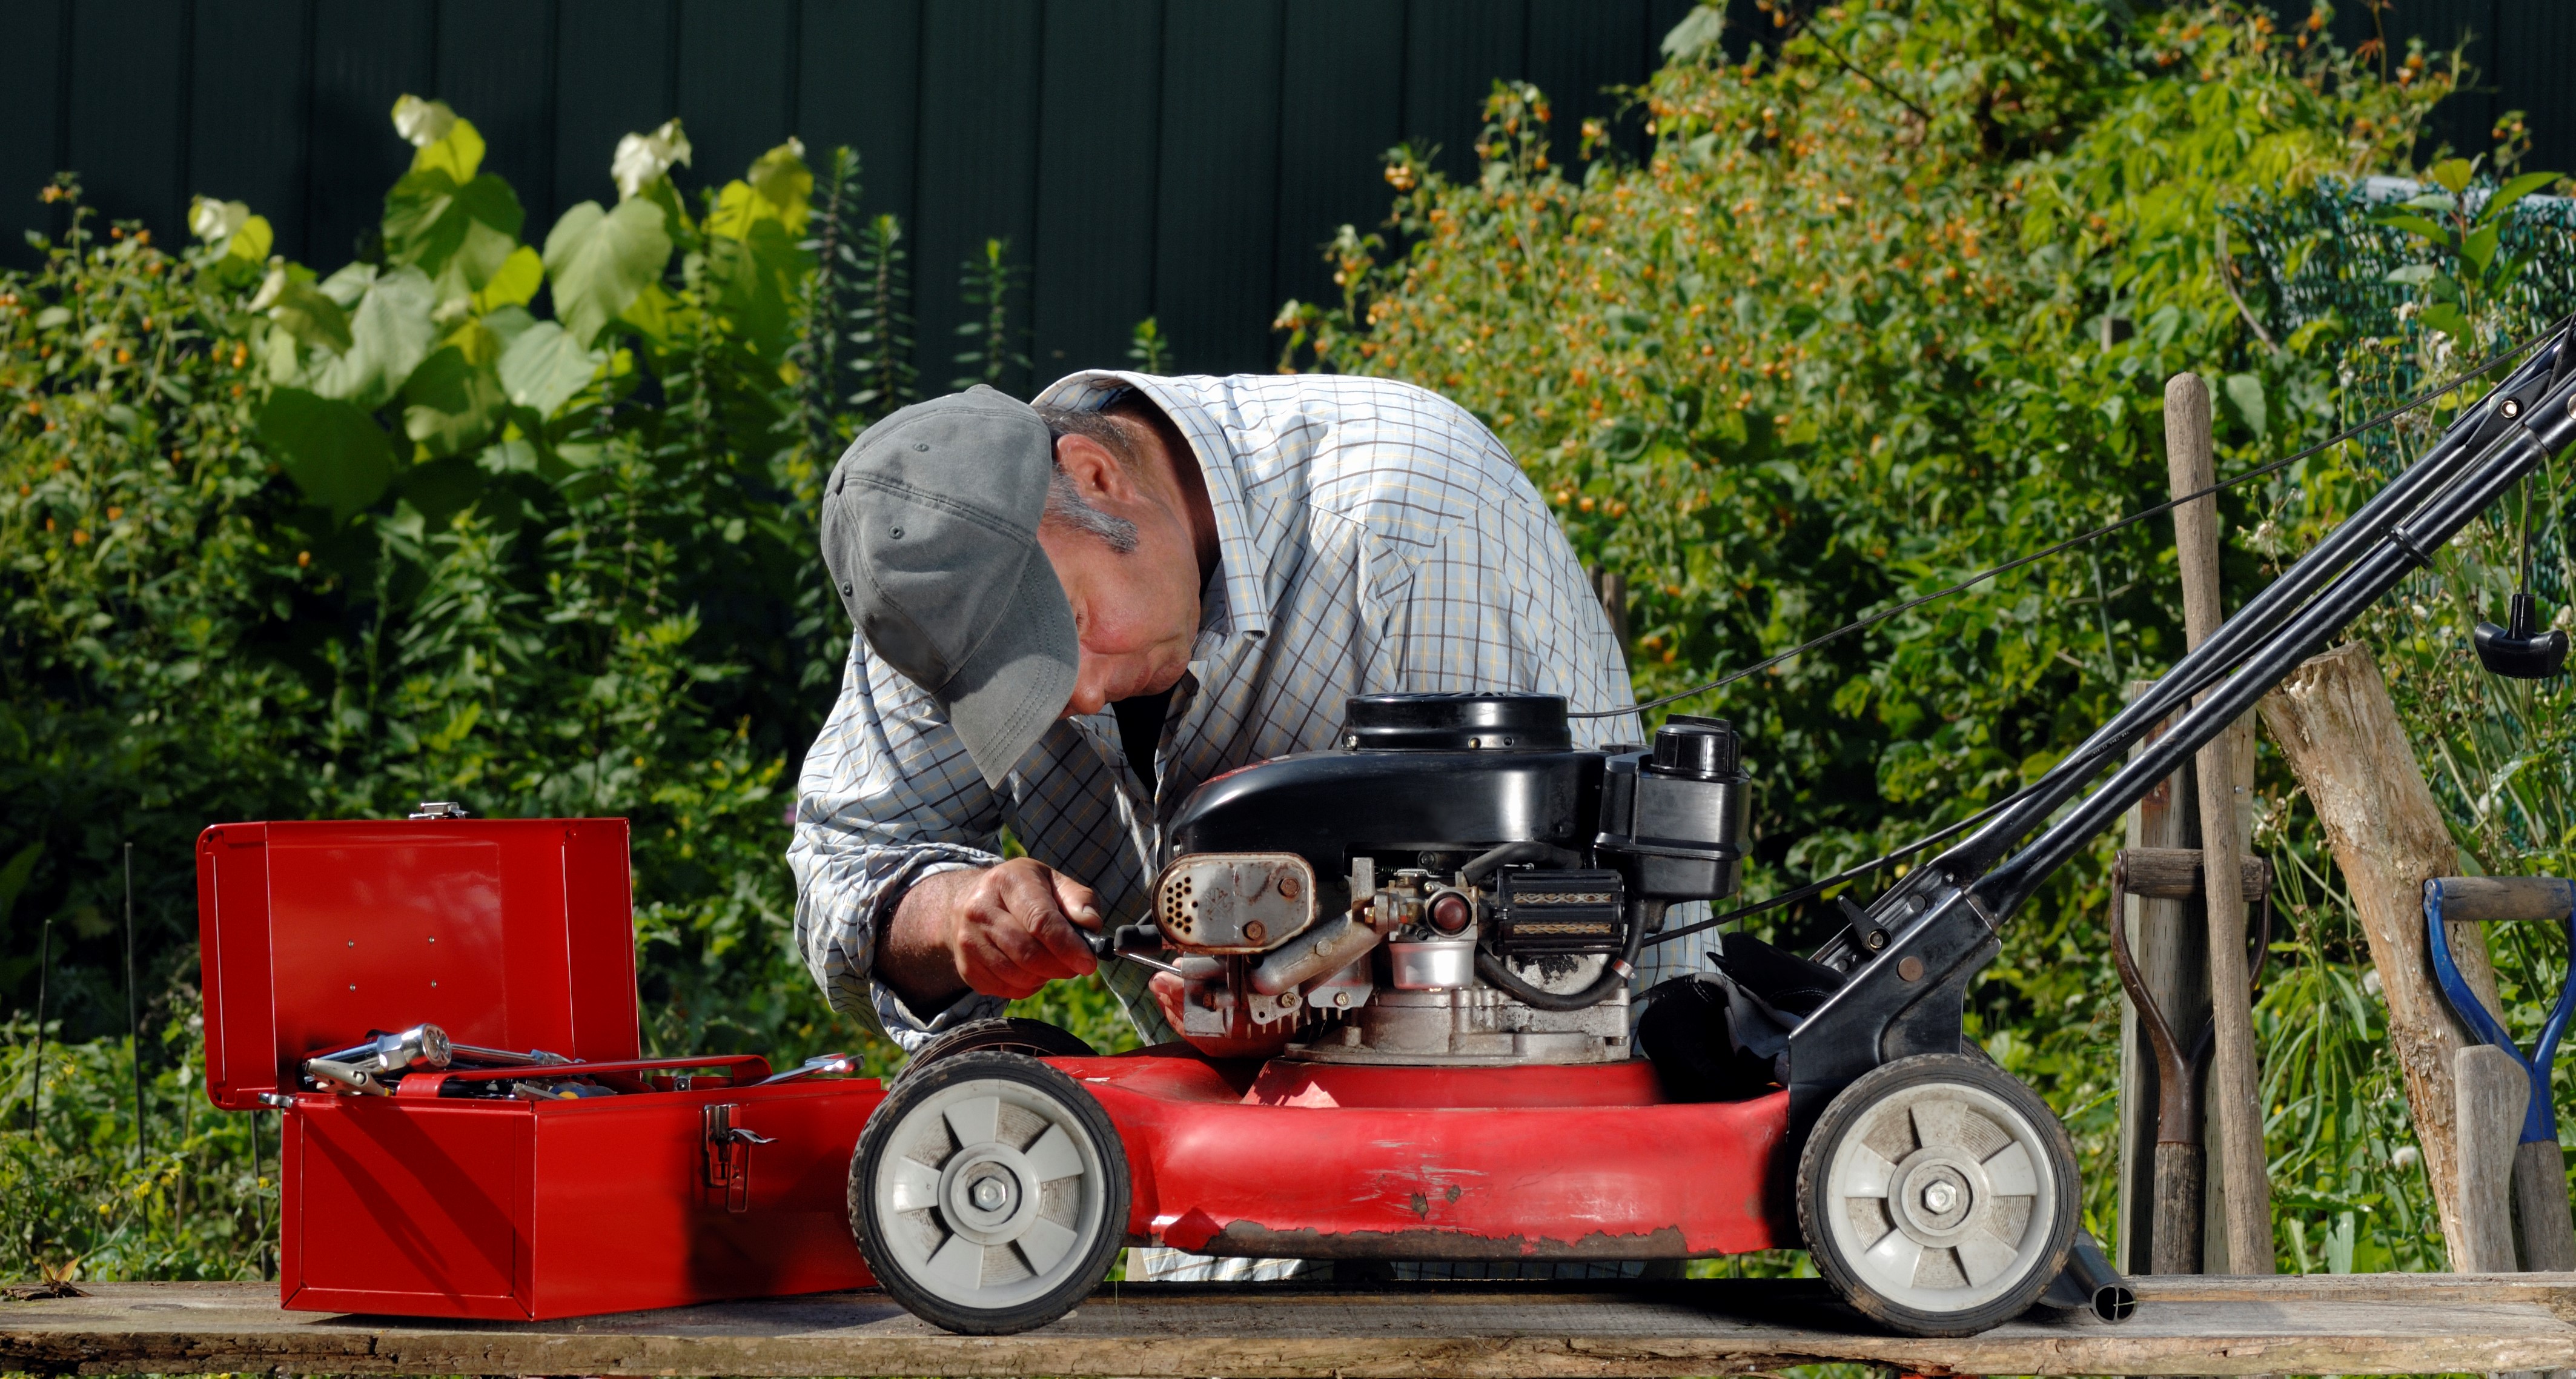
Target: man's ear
point(1096, 472)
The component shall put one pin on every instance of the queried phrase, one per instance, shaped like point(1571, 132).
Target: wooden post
point(2234, 1093)
point(2493, 1092)
point(2333, 719)
point(2160, 1233)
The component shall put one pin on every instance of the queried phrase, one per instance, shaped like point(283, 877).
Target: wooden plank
point(1216, 225)
point(1341, 99)
point(248, 95)
point(860, 85)
point(613, 77)
point(737, 82)
point(1099, 137)
point(2337, 726)
point(1576, 50)
point(979, 140)
point(496, 65)
point(364, 57)
point(2389, 1324)
point(126, 111)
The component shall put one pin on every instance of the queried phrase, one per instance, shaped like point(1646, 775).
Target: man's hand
point(1003, 931)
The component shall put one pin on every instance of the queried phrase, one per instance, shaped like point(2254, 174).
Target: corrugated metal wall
point(1181, 158)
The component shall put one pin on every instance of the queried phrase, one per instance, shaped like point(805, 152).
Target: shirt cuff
point(908, 1029)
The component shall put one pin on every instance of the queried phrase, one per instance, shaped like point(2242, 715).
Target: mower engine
point(1454, 883)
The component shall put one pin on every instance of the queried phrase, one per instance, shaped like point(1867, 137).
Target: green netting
point(2319, 256)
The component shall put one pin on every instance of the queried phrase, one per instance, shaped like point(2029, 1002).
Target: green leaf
point(252, 241)
point(2413, 274)
point(389, 334)
point(2452, 174)
point(2245, 391)
point(2416, 224)
point(431, 219)
point(515, 283)
point(2481, 246)
point(601, 260)
point(2512, 192)
point(310, 316)
point(333, 450)
point(450, 406)
point(545, 366)
point(2446, 318)
point(457, 151)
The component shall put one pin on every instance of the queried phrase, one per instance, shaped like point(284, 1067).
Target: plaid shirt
point(1373, 537)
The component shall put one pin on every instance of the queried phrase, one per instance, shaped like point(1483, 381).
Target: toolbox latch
point(728, 1150)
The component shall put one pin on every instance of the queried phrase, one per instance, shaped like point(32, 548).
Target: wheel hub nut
point(1939, 1198)
point(988, 1194)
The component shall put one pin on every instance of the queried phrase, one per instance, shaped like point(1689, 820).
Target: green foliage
point(986, 283)
point(1885, 305)
point(1148, 348)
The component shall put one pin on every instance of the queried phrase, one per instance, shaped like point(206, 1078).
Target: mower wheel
point(989, 1193)
point(1002, 1034)
point(1938, 1195)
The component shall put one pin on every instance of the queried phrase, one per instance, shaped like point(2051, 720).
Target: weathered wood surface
point(2379, 1324)
point(2493, 1093)
point(2232, 1093)
point(2334, 721)
point(2493, 899)
point(2175, 874)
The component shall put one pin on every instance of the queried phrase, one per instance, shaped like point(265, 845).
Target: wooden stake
point(2161, 1229)
point(2333, 719)
point(2234, 1092)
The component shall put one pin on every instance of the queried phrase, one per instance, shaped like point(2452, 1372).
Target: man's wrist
point(912, 956)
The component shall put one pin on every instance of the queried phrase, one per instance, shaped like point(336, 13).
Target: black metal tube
point(2495, 470)
point(2399, 499)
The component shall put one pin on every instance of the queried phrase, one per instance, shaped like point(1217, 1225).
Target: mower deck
point(1508, 1163)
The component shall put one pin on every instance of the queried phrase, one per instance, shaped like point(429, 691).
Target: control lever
point(1112, 943)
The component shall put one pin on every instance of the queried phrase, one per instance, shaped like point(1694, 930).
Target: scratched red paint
point(1440, 1162)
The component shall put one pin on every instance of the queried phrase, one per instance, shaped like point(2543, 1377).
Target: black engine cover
point(1425, 788)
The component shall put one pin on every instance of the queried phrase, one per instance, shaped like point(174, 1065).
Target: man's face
point(1137, 612)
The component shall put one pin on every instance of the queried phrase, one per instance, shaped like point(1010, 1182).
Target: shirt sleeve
point(887, 797)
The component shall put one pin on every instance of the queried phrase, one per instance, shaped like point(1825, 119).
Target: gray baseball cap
point(930, 530)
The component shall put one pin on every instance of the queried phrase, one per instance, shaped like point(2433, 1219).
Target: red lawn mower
point(1442, 913)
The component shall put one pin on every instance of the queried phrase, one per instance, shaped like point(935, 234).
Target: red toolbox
point(510, 934)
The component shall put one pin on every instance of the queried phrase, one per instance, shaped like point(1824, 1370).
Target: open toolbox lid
point(508, 933)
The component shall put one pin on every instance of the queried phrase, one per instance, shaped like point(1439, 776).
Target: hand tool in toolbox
point(443, 1010)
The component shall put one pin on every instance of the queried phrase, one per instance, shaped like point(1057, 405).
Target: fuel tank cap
point(1473, 722)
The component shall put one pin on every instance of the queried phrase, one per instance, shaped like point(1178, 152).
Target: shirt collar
point(1239, 560)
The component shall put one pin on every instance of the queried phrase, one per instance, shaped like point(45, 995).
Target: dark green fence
point(1178, 158)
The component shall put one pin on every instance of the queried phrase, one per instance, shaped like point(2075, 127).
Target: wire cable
point(2479, 369)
